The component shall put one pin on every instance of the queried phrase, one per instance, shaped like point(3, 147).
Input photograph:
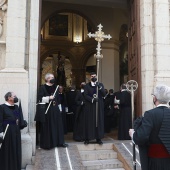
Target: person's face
point(93, 77)
point(154, 99)
point(12, 98)
point(60, 89)
point(50, 78)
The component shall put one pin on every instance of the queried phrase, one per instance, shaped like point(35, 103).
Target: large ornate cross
point(99, 37)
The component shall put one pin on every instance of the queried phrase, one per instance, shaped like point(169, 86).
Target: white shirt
point(93, 83)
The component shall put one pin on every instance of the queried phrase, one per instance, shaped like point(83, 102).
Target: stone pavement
point(113, 154)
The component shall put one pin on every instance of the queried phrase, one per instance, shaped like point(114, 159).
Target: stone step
point(97, 155)
point(105, 146)
point(102, 164)
point(114, 169)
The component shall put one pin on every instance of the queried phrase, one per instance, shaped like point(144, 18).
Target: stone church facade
point(21, 48)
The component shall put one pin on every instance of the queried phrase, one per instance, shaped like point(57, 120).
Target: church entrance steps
point(102, 157)
point(102, 164)
point(97, 155)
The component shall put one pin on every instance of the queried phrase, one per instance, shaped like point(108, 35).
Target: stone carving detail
point(3, 8)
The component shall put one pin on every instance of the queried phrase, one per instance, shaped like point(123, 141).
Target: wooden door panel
point(134, 56)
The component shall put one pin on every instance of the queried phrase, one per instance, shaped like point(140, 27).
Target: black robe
point(149, 133)
point(71, 103)
point(108, 112)
point(125, 119)
point(10, 152)
point(91, 132)
point(51, 131)
point(79, 130)
point(63, 105)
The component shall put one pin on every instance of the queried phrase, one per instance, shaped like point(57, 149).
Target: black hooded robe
point(51, 131)
point(10, 152)
point(91, 132)
point(154, 129)
point(78, 133)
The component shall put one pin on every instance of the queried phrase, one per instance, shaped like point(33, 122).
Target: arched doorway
point(66, 32)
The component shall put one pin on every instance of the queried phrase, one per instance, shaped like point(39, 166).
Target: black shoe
point(99, 141)
point(64, 145)
point(86, 142)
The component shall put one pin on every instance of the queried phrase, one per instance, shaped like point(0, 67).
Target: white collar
point(123, 90)
point(48, 84)
point(8, 104)
point(159, 105)
point(93, 83)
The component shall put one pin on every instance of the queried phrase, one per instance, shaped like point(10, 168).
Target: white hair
point(162, 93)
point(48, 75)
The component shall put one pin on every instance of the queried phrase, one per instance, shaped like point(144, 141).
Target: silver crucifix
point(99, 37)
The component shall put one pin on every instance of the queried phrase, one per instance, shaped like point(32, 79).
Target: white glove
point(1, 134)
point(116, 101)
point(66, 109)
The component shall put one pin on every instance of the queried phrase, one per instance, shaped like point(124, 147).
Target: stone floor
point(71, 158)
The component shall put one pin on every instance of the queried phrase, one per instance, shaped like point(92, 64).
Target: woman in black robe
point(79, 124)
point(10, 151)
point(51, 130)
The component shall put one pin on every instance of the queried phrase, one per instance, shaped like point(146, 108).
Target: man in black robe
point(78, 134)
point(71, 103)
point(125, 118)
point(10, 151)
point(153, 133)
point(94, 129)
point(108, 110)
point(63, 102)
point(51, 130)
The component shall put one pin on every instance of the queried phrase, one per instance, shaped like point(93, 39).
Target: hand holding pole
point(51, 100)
point(4, 134)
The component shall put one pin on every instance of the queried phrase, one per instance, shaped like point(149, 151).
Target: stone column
point(155, 47)
point(13, 75)
point(109, 67)
point(147, 53)
point(33, 65)
point(162, 41)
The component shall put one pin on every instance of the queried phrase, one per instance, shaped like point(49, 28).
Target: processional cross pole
point(99, 37)
point(132, 86)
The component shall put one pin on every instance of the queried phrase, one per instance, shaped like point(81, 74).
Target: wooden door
point(134, 51)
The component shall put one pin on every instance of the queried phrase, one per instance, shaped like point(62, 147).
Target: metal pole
point(132, 86)
point(97, 93)
point(4, 134)
point(51, 101)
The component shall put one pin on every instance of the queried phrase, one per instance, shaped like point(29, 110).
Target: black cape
point(10, 152)
point(125, 118)
point(78, 134)
point(91, 132)
point(51, 131)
